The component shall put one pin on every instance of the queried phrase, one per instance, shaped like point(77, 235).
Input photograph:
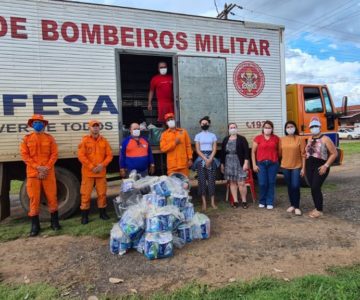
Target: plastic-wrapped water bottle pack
point(156, 215)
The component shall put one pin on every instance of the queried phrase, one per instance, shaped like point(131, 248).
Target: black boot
point(84, 217)
point(103, 214)
point(35, 226)
point(55, 221)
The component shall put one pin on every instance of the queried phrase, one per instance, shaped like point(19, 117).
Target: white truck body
point(62, 59)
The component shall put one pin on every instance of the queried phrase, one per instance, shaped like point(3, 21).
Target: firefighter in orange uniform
point(95, 154)
point(39, 152)
point(175, 142)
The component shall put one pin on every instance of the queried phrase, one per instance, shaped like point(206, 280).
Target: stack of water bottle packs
point(156, 215)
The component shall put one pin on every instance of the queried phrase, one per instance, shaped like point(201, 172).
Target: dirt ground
point(244, 244)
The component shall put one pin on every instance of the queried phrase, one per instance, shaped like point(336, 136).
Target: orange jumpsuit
point(40, 149)
point(177, 155)
point(91, 153)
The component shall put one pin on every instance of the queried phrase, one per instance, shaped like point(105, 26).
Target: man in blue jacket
point(136, 154)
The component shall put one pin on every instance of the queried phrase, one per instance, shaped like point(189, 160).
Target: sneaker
point(269, 207)
point(261, 205)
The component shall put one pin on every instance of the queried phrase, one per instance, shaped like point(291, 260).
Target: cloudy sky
point(322, 37)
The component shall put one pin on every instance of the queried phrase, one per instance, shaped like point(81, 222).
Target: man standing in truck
point(162, 85)
point(39, 152)
point(95, 154)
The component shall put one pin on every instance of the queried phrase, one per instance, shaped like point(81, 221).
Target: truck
point(73, 62)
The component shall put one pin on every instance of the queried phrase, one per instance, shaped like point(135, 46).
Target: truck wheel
point(68, 193)
point(349, 137)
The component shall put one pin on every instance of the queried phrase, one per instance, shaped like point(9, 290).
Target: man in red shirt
point(162, 84)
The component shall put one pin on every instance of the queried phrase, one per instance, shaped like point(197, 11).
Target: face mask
point(267, 131)
point(315, 130)
point(136, 132)
point(205, 127)
point(163, 71)
point(38, 126)
point(290, 130)
point(171, 123)
point(233, 131)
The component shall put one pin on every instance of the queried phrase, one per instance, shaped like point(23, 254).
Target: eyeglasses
point(315, 126)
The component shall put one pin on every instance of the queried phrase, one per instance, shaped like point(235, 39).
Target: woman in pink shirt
point(265, 160)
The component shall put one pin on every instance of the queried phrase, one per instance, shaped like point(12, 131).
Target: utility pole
point(227, 9)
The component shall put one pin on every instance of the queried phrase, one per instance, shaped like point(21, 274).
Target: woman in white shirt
point(206, 164)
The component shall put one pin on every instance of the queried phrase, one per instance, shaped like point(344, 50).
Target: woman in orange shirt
point(292, 152)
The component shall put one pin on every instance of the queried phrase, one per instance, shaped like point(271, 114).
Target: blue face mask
point(38, 126)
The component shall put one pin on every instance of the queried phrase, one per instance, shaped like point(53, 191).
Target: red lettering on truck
point(202, 43)
point(127, 36)
point(182, 43)
point(90, 35)
point(3, 26)
point(110, 35)
point(49, 30)
point(15, 27)
point(150, 36)
point(70, 32)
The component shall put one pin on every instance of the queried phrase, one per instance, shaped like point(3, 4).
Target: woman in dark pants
point(235, 157)
point(320, 154)
point(205, 144)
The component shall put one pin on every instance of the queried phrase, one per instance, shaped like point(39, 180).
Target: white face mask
point(315, 130)
point(171, 123)
point(233, 131)
point(136, 132)
point(290, 130)
point(163, 71)
point(267, 131)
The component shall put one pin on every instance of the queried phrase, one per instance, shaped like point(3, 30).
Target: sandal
point(298, 212)
point(290, 209)
point(244, 205)
point(315, 214)
point(235, 205)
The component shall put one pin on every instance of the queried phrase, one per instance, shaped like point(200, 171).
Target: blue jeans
point(292, 178)
point(267, 179)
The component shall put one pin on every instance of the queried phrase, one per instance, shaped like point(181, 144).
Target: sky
point(322, 37)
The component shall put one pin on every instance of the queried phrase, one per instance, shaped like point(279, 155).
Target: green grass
point(18, 228)
point(32, 291)
point(15, 187)
point(341, 283)
point(350, 148)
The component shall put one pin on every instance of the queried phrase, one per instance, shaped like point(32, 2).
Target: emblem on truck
point(249, 79)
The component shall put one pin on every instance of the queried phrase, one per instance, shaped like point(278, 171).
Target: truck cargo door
point(201, 91)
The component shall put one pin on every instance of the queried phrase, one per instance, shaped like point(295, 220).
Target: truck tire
point(68, 193)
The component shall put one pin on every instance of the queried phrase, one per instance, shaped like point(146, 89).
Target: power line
point(343, 8)
point(216, 7)
point(325, 27)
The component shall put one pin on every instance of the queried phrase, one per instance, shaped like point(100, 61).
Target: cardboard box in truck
point(73, 62)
